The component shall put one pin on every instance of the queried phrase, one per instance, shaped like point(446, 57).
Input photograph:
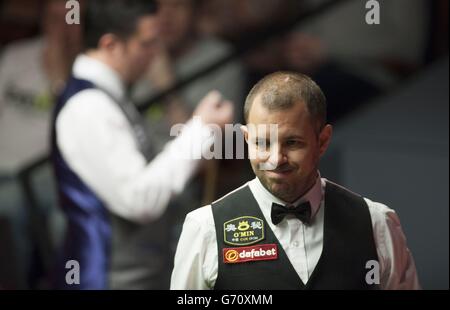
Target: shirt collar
point(97, 72)
point(266, 198)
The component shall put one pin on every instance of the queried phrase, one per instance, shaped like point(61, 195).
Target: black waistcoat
point(348, 244)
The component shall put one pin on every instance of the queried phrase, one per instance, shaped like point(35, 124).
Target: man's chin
point(283, 188)
point(278, 188)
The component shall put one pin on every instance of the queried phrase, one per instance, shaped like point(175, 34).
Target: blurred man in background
point(113, 185)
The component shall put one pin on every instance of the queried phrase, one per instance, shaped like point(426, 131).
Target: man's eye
point(291, 143)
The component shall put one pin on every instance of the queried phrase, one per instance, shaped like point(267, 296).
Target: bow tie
point(302, 212)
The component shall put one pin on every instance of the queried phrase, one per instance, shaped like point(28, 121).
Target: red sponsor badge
point(250, 253)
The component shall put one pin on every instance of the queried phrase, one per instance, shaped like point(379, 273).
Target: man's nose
point(277, 157)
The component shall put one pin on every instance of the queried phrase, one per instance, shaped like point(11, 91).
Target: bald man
point(289, 228)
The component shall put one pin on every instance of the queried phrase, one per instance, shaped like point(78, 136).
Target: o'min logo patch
point(244, 230)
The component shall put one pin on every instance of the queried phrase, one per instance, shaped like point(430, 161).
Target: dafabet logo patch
point(250, 253)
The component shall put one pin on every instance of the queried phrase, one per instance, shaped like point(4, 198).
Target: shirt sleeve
point(98, 143)
point(195, 265)
point(397, 267)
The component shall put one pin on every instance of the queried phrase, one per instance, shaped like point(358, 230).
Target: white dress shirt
point(98, 143)
point(196, 261)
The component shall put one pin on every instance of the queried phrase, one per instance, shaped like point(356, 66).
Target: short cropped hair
point(118, 17)
point(281, 90)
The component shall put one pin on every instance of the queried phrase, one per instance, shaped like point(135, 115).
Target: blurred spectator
point(32, 71)
point(182, 52)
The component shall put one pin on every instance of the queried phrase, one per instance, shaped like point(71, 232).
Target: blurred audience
point(351, 60)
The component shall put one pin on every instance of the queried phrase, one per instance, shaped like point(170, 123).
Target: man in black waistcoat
point(289, 228)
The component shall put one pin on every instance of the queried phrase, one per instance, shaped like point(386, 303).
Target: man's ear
point(107, 41)
point(244, 130)
point(325, 138)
